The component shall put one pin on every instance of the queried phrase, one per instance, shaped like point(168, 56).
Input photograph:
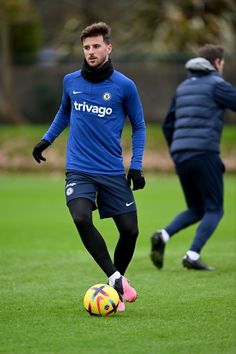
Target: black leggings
point(81, 212)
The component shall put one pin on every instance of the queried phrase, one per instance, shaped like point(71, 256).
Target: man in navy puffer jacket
point(193, 128)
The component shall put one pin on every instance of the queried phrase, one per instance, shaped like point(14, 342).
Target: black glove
point(39, 148)
point(138, 179)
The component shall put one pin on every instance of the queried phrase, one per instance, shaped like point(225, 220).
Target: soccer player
point(193, 128)
point(95, 103)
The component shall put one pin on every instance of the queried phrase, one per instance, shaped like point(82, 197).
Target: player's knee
point(80, 213)
point(132, 233)
point(81, 219)
point(217, 213)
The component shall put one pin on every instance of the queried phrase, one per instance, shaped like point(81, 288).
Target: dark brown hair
point(97, 29)
point(211, 52)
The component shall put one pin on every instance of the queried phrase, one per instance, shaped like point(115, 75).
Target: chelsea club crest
point(106, 96)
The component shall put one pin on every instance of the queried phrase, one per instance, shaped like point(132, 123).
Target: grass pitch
point(45, 272)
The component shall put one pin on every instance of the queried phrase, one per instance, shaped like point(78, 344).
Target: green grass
point(45, 272)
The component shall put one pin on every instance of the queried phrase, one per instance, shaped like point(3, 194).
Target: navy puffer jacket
point(195, 120)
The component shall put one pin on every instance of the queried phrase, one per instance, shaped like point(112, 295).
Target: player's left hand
point(137, 178)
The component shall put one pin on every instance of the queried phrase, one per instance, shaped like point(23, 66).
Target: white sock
point(113, 278)
point(165, 235)
point(194, 256)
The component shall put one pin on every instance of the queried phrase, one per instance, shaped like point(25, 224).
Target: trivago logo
point(100, 111)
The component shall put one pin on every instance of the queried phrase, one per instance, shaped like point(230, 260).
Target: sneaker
point(121, 306)
point(197, 265)
point(124, 289)
point(158, 249)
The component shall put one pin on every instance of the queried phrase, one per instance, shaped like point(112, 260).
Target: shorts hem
point(82, 197)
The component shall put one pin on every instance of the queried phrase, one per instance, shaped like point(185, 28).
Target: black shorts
point(109, 193)
point(201, 178)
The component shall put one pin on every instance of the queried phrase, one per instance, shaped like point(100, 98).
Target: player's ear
point(219, 64)
point(109, 48)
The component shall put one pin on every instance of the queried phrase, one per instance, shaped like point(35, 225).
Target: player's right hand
point(38, 149)
point(138, 179)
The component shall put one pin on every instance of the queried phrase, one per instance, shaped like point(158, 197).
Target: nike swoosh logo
point(75, 92)
point(128, 204)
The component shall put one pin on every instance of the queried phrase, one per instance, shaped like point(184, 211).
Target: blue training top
point(96, 113)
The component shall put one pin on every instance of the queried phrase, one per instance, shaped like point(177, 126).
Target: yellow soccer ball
point(101, 300)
